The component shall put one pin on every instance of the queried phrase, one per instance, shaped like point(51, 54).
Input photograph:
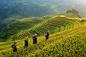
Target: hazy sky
point(83, 2)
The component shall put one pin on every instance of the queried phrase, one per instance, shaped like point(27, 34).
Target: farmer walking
point(14, 47)
point(26, 42)
point(47, 35)
point(35, 39)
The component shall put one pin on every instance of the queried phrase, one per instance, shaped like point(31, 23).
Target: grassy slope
point(67, 43)
point(55, 24)
point(22, 25)
point(19, 25)
point(69, 15)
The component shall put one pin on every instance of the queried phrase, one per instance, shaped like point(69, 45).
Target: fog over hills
point(61, 6)
point(13, 10)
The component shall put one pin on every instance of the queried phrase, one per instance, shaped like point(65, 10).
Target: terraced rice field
point(67, 43)
point(67, 39)
point(54, 24)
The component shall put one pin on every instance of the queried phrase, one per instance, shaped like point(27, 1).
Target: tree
point(74, 12)
point(68, 11)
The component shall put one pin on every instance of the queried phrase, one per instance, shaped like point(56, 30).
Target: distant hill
point(17, 10)
point(24, 9)
point(37, 8)
point(61, 6)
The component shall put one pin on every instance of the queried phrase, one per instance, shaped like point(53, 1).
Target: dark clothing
point(26, 42)
point(14, 48)
point(34, 40)
point(47, 36)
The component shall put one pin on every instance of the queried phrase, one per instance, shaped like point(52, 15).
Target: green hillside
point(28, 26)
point(67, 34)
point(24, 26)
point(19, 25)
point(16, 9)
point(55, 24)
point(70, 42)
point(21, 9)
point(67, 37)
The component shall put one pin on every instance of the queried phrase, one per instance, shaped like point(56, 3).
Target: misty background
point(12, 10)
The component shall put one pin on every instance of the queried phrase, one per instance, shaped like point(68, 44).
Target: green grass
point(26, 27)
point(18, 26)
point(1, 40)
point(70, 42)
point(67, 37)
point(69, 15)
point(57, 23)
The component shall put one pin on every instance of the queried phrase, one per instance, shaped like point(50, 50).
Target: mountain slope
point(57, 23)
point(61, 6)
point(67, 43)
point(19, 25)
point(22, 9)
point(27, 23)
point(16, 9)
point(26, 27)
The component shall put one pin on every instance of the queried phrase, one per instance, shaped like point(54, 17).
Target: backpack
point(12, 46)
point(33, 38)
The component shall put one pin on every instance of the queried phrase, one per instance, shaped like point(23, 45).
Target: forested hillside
point(61, 6)
point(24, 9)
point(12, 11)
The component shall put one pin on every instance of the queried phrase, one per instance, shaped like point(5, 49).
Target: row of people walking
point(14, 46)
